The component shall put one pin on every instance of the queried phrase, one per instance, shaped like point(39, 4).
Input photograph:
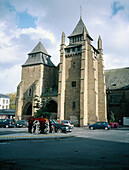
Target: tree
point(42, 110)
point(112, 117)
point(12, 97)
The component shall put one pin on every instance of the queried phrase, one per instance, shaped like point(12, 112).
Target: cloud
point(110, 19)
point(9, 79)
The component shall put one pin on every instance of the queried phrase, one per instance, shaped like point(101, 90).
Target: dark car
point(60, 128)
point(100, 125)
point(21, 123)
point(7, 123)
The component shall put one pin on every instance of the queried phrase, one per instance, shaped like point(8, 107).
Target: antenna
point(80, 12)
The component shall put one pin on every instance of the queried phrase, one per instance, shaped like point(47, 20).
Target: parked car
point(7, 123)
point(21, 123)
point(100, 125)
point(68, 122)
point(59, 127)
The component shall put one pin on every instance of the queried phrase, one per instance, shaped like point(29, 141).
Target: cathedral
point(78, 82)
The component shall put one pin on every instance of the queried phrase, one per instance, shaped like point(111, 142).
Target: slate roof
point(39, 55)
point(39, 48)
point(117, 78)
point(79, 29)
point(4, 96)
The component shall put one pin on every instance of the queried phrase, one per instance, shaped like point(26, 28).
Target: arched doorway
point(52, 108)
point(27, 111)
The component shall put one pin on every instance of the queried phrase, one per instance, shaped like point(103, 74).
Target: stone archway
point(27, 110)
point(52, 108)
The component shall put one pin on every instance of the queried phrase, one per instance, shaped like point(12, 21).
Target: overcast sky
point(24, 22)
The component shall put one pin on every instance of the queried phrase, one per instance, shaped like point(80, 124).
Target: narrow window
point(73, 83)
point(30, 92)
point(73, 105)
point(68, 50)
point(78, 48)
point(74, 65)
point(73, 49)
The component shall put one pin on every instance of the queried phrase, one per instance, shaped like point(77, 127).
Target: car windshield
point(20, 121)
point(65, 121)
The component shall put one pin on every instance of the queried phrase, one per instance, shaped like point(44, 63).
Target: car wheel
point(106, 128)
point(7, 126)
point(24, 126)
point(91, 128)
point(59, 131)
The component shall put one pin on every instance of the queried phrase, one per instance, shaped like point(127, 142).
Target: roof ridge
point(117, 69)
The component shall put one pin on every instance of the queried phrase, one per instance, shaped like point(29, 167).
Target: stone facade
point(81, 91)
point(38, 76)
point(80, 79)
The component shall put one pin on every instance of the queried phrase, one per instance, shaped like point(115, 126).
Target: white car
point(68, 122)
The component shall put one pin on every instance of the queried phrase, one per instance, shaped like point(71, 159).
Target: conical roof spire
point(39, 48)
point(79, 28)
point(39, 55)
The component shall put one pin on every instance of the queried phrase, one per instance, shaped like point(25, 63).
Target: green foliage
point(12, 97)
point(42, 110)
point(112, 117)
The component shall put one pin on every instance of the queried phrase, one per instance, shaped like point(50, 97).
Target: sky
point(24, 23)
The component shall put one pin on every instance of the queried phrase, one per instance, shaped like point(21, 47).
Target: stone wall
point(72, 95)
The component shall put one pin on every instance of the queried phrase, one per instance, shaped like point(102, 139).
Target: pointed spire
point(80, 12)
point(99, 43)
point(63, 38)
point(39, 48)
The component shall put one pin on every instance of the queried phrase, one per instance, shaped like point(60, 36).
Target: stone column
point(84, 84)
point(102, 109)
point(61, 83)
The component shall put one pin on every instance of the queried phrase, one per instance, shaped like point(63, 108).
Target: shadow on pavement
point(70, 153)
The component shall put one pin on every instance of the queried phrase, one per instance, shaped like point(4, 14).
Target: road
point(89, 149)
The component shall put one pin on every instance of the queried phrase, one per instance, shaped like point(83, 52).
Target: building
point(117, 87)
point(4, 101)
point(78, 84)
point(7, 113)
point(38, 75)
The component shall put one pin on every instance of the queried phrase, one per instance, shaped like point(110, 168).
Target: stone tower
point(38, 75)
point(81, 86)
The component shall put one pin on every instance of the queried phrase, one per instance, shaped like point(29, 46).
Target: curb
point(35, 137)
